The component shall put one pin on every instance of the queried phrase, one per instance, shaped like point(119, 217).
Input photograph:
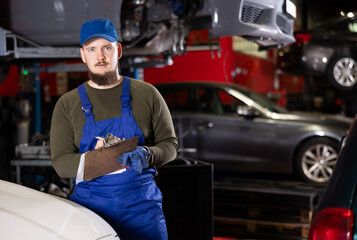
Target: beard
point(105, 79)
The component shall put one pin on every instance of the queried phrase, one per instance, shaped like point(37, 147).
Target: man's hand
point(136, 159)
point(100, 143)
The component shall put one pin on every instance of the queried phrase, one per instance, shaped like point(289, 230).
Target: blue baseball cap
point(100, 27)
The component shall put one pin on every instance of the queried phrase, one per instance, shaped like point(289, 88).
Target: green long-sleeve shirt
point(150, 112)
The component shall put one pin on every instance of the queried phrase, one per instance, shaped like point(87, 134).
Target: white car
point(29, 214)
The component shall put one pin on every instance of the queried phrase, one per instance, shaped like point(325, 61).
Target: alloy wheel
point(345, 72)
point(318, 162)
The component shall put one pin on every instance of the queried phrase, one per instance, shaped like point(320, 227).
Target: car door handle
point(204, 125)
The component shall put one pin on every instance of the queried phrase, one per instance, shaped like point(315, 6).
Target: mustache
point(100, 63)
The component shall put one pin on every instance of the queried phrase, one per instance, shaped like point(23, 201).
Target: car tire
point(342, 73)
point(316, 159)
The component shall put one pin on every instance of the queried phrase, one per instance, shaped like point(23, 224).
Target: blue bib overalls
point(130, 202)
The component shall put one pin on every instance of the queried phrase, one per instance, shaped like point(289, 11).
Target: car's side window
point(209, 101)
point(178, 99)
point(217, 101)
point(352, 26)
point(229, 103)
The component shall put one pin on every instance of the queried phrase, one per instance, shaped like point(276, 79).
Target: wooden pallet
point(264, 209)
point(246, 228)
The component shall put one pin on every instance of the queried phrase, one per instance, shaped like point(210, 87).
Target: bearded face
point(107, 78)
point(101, 57)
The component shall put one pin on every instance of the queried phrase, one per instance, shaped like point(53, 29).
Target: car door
point(182, 103)
point(210, 129)
point(227, 139)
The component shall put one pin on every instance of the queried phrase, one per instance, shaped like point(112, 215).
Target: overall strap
point(86, 105)
point(125, 96)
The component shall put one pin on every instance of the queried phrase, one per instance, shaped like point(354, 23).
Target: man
point(125, 108)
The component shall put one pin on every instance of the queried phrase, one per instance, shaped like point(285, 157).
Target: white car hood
point(29, 214)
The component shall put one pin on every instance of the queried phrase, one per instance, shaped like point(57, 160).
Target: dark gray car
point(237, 129)
point(329, 50)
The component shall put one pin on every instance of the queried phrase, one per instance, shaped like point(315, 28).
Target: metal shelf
point(18, 163)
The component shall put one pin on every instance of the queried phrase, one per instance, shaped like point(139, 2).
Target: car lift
point(10, 48)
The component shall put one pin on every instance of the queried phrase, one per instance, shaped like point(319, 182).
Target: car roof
point(333, 21)
point(205, 83)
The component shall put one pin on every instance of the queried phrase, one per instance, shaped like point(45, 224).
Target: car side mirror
point(246, 111)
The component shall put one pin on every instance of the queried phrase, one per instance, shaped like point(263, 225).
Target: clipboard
point(104, 160)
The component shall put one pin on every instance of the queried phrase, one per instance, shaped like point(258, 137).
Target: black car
point(335, 216)
point(239, 130)
point(328, 51)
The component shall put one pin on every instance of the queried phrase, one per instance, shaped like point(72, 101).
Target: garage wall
point(217, 65)
point(195, 65)
point(9, 87)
